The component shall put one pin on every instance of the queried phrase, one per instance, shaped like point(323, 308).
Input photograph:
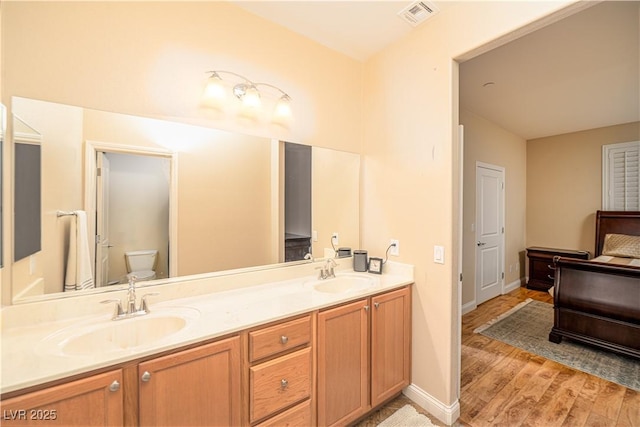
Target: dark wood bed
point(599, 303)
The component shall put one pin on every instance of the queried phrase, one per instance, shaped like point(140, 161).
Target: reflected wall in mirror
point(216, 203)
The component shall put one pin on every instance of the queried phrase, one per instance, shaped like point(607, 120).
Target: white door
point(102, 220)
point(489, 232)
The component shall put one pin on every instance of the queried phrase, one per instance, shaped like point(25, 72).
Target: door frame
point(502, 208)
point(102, 253)
point(90, 203)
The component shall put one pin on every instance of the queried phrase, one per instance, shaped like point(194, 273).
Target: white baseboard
point(469, 307)
point(513, 286)
point(448, 414)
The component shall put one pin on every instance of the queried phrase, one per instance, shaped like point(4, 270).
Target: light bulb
point(282, 111)
point(214, 92)
point(251, 97)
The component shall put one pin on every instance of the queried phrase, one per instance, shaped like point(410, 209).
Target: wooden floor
point(505, 386)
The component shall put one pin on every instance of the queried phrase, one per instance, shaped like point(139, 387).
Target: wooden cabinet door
point(196, 387)
point(390, 344)
point(343, 363)
point(93, 401)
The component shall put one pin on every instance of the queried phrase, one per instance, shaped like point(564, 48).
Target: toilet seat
point(142, 275)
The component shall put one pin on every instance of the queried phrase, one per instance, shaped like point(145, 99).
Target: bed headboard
point(615, 222)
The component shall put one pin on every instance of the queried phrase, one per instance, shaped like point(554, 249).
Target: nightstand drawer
point(542, 265)
point(279, 383)
point(279, 338)
point(542, 269)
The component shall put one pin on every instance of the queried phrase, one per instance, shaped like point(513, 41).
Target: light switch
point(438, 254)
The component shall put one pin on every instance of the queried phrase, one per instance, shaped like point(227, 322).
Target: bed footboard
point(598, 304)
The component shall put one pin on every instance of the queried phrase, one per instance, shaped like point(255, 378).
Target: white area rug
point(406, 416)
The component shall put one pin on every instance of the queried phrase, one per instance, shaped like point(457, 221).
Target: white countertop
point(29, 358)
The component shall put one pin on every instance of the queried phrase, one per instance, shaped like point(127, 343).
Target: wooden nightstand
point(541, 266)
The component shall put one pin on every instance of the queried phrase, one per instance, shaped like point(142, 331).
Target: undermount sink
point(107, 336)
point(342, 283)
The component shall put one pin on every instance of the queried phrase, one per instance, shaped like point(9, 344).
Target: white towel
point(79, 275)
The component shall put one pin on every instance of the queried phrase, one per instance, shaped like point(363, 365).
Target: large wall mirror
point(164, 199)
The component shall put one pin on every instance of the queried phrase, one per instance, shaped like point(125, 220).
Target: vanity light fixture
point(249, 94)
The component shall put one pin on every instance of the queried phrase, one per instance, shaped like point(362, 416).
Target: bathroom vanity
point(298, 351)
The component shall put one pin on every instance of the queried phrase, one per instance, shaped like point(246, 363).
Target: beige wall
point(564, 185)
point(486, 142)
point(410, 165)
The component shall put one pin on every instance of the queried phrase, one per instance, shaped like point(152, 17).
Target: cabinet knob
point(146, 376)
point(376, 304)
point(115, 386)
point(284, 339)
point(366, 308)
point(284, 383)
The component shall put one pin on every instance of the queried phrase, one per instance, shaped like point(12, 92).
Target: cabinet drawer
point(299, 415)
point(279, 383)
point(543, 269)
point(279, 338)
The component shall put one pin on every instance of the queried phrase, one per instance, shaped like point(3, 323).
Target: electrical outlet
point(334, 238)
point(394, 250)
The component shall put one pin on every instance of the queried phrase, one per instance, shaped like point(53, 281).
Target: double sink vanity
point(266, 347)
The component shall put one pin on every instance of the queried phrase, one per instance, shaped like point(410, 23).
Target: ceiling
point(579, 73)
point(357, 28)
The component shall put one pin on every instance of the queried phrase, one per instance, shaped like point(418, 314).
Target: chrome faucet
point(131, 295)
point(132, 310)
point(327, 271)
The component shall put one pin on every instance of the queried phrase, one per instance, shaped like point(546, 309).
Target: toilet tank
point(144, 260)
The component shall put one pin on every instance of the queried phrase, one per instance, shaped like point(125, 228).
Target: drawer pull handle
point(115, 386)
point(284, 339)
point(284, 383)
point(551, 277)
point(146, 376)
point(551, 267)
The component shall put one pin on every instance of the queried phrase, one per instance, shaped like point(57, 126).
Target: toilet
point(141, 264)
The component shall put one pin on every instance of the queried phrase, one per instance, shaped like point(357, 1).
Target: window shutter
point(622, 182)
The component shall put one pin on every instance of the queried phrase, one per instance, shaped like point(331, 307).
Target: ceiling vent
point(418, 12)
